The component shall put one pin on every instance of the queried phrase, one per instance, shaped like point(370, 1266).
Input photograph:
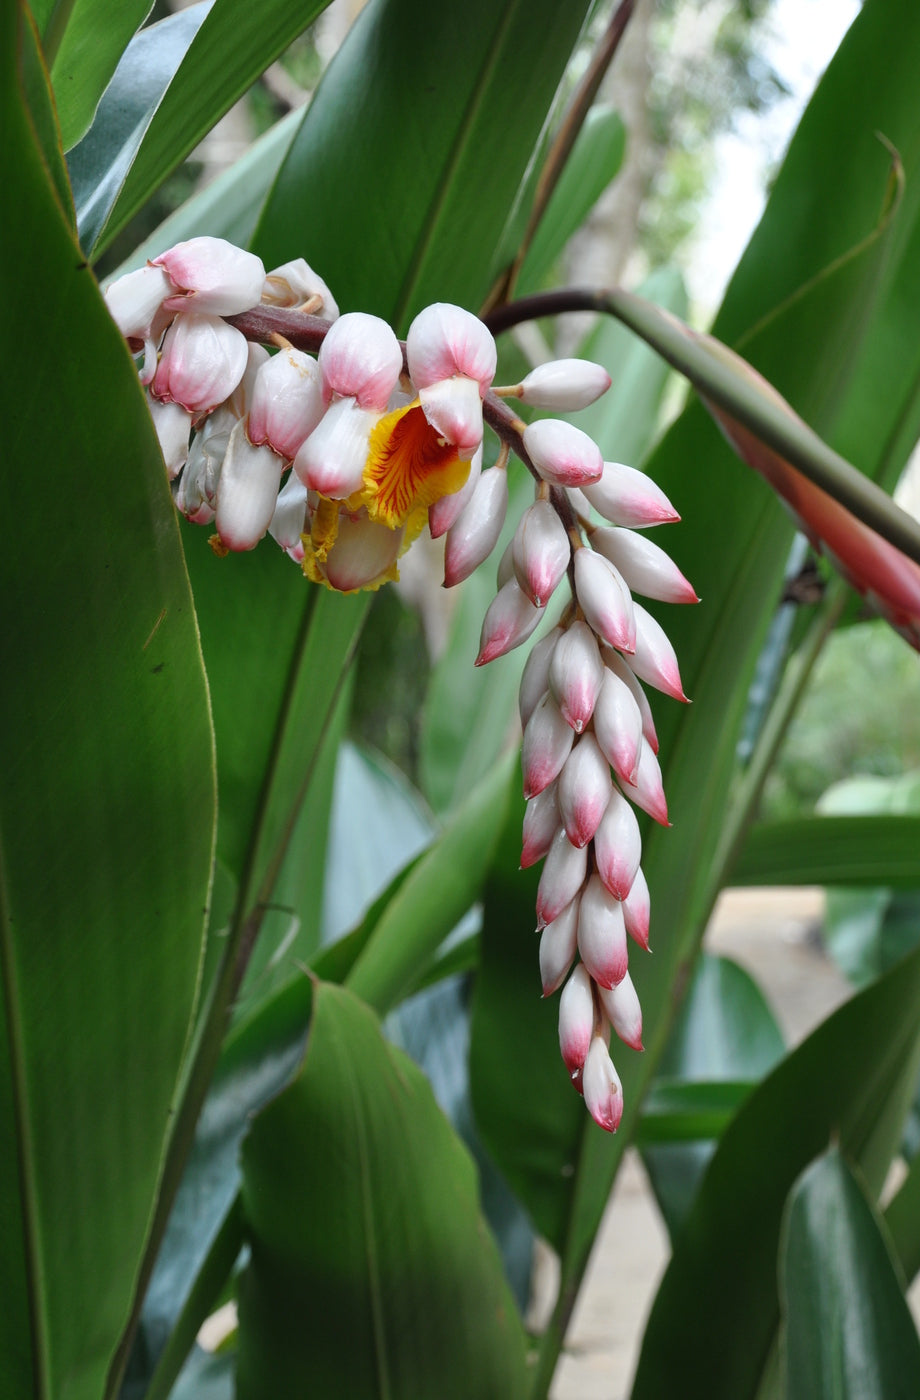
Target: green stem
point(729, 383)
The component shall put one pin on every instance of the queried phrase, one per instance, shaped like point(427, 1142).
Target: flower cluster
point(379, 440)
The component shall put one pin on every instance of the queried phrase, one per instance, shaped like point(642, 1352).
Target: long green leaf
point(848, 1330)
point(715, 1317)
point(107, 811)
point(401, 197)
point(828, 850)
point(355, 1163)
point(95, 38)
point(234, 44)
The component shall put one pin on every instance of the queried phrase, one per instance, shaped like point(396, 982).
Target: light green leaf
point(417, 1303)
point(849, 1334)
point(95, 38)
point(595, 159)
point(108, 802)
point(832, 850)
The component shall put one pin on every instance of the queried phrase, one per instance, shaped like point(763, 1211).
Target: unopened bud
point(510, 619)
point(583, 790)
point(541, 551)
point(602, 934)
point(248, 491)
point(601, 1087)
point(558, 946)
point(625, 496)
point(564, 386)
point(576, 674)
point(644, 566)
point(563, 876)
point(547, 744)
point(471, 539)
point(618, 846)
point(621, 1005)
point(604, 599)
point(576, 1019)
point(561, 453)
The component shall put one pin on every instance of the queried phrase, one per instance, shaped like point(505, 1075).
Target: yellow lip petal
point(409, 467)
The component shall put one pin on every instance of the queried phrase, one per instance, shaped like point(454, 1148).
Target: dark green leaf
point(849, 1334)
point(715, 1317)
point(402, 197)
point(416, 1304)
point(95, 38)
point(832, 850)
point(681, 1111)
point(39, 109)
point(725, 1032)
point(107, 812)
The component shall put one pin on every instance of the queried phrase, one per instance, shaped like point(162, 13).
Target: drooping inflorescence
point(346, 457)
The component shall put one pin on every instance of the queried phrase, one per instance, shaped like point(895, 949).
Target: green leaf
point(849, 1333)
point(690, 1111)
point(108, 801)
point(725, 1032)
point(95, 38)
point(715, 1317)
point(234, 44)
point(432, 900)
point(99, 164)
point(868, 931)
point(229, 206)
point(400, 195)
point(595, 160)
point(39, 110)
point(416, 1304)
point(832, 850)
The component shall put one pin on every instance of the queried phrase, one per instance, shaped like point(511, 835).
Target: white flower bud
point(247, 492)
point(475, 533)
point(510, 619)
point(637, 909)
point(445, 511)
point(541, 551)
point(202, 361)
point(332, 459)
point(653, 657)
point(541, 822)
point(361, 359)
point(601, 1087)
point(287, 402)
point(602, 934)
point(561, 453)
point(563, 386)
point(547, 744)
point(644, 566)
point(289, 521)
point(604, 599)
point(535, 678)
point(563, 876)
point(618, 725)
point(576, 1019)
point(576, 674)
point(647, 791)
point(173, 426)
point(583, 790)
point(210, 276)
point(558, 946)
point(625, 496)
point(621, 1006)
point(618, 846)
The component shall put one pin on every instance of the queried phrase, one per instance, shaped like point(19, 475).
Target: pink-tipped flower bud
point(210, 276)
point(583, 790)
point(563, 876)
point(625, 496)
point(547, 744)
point(637, 910)
point(653, 658)
point(618, 846)
point(621, 1006)
point(647, 791)
point(445, 341)
point(558, 946)
point(510, 619)
point(505, 571)
point(360, 359)
point(602, 934)
point(295, 283)
point(289, 522)
point(364, 554)
point(541, 550)
point(332, 459)
point(561, 453)
point(615, 663)
point(535, 678)
point(239, 401)
point(287, 402)
point(618, 725)
point(644, 566)
point(601, 1087)
point(202, 361)
point(248, 491)
point(604, 599)
point(471, 539)
point(576, 1019)
point(446, 511)
point(541, 822)
point(576, 674)
point(173, 426)
point(135, 299)
point(564, 386)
